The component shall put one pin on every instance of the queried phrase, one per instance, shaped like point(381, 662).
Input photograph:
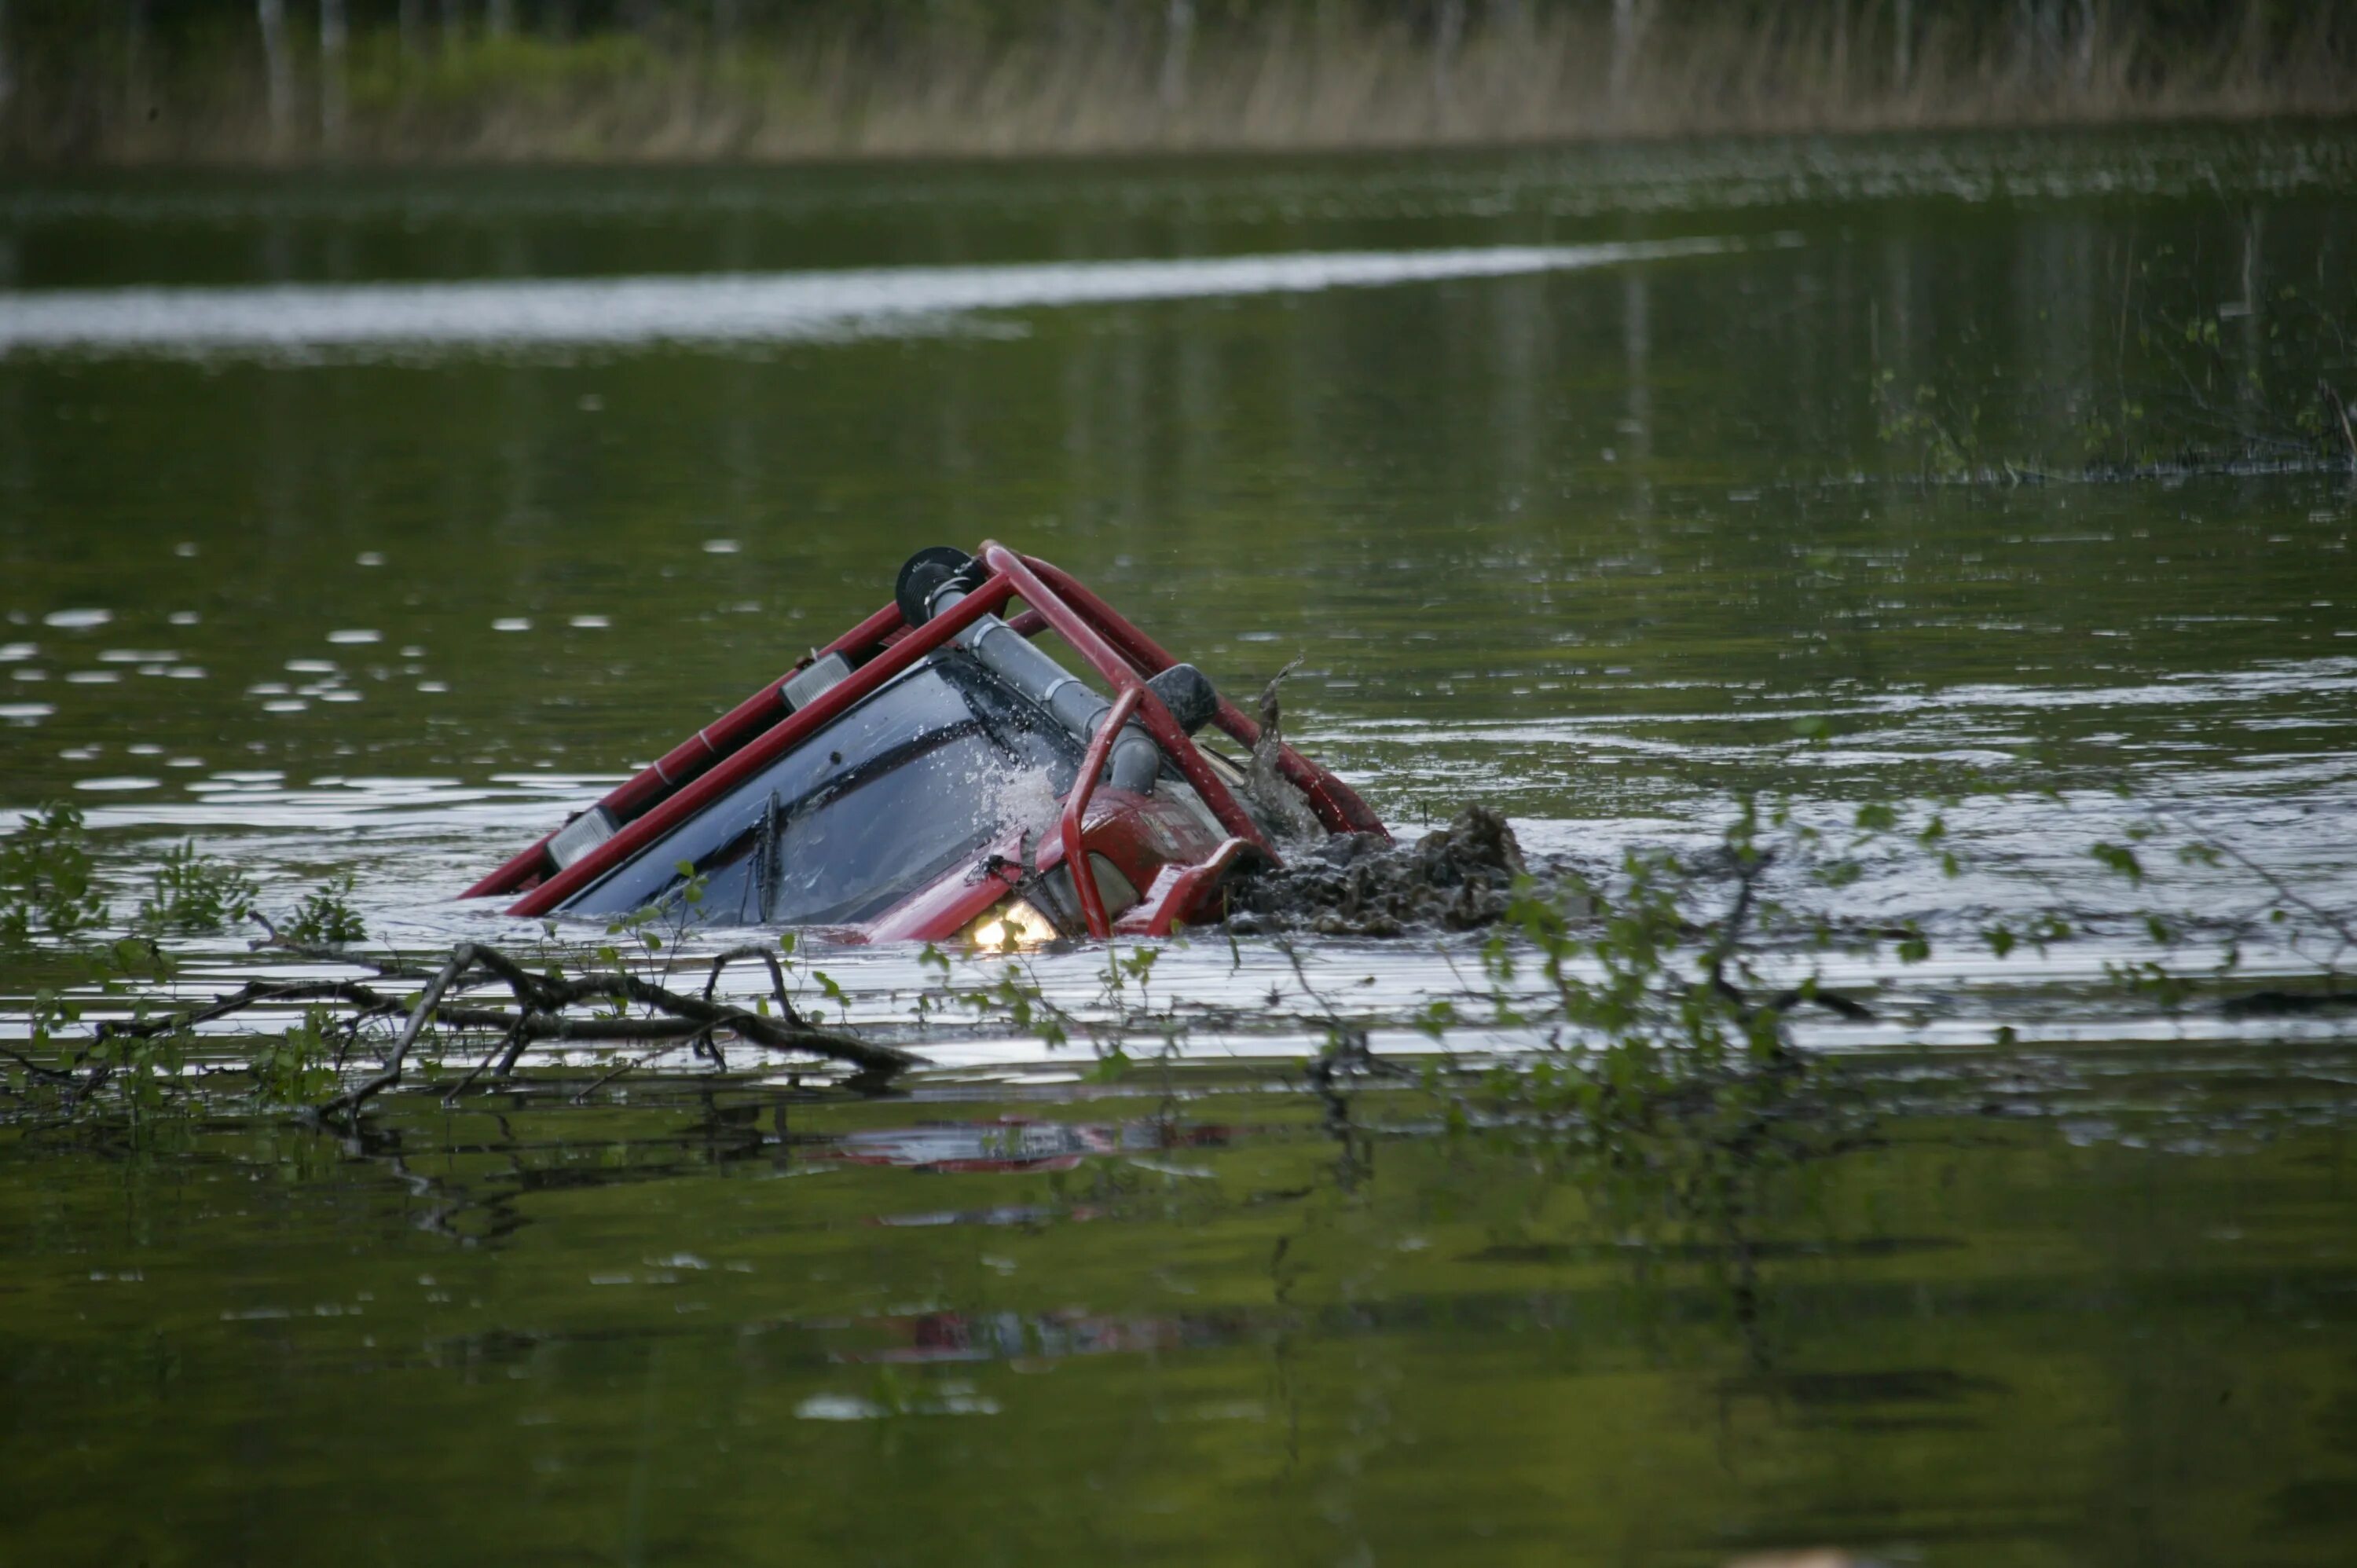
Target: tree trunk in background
point(2251, 49)
point(2249, 393)
point(1902, 43)
point(727, 23)
point(411, 21)
point(8, 61)
point(135, 61)
point(1841, 51)
point(332, 40)
point(498, 18)
point(1177, 37)
point(277, 69)
point(454, 22)
point(1624, 49)
point(2039, 38)
point(2083, 49)
point(1447, 29)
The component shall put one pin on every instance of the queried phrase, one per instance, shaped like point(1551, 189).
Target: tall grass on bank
point(1123, 80)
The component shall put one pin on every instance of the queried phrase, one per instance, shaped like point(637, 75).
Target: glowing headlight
point(1015, 926)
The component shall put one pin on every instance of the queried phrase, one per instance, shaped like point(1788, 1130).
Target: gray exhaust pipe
point(935, 579)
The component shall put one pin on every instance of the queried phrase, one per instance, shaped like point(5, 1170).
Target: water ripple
point(300, 319)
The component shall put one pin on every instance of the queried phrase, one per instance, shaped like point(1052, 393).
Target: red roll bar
point(725, 753)
point(1167, 732)
point(1076, 808)
point(691, 757)
point(1337, 805)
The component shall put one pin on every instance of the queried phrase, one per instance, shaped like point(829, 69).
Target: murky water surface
point(369, 524)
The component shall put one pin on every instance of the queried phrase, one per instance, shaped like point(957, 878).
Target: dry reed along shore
point(1138, 78)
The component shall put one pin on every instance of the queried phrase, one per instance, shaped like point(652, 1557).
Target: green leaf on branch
point(2118, 859)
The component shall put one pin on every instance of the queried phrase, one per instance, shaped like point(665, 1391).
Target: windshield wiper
point(765, 860)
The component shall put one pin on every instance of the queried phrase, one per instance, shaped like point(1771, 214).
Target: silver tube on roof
point(1135, 761)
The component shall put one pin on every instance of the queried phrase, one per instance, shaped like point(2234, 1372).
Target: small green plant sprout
point(1019, 1000)
point(833, 993)
point(145, 1069)
point(1943, 430)
point(326, 917)
point(193, 894)
point(295, 1068)
point(932, 957)
point(44, 879)
point(674, 911)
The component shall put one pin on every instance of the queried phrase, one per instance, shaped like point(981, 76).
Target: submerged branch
point(462, 958)
point(544, 1012)
point(786, 1008)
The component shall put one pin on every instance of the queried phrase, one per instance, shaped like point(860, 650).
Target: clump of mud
point(1457, 878)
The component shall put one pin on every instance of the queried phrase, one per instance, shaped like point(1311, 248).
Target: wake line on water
point(300, 319)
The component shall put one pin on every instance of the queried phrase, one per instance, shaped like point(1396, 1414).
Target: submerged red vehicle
point(933, 773)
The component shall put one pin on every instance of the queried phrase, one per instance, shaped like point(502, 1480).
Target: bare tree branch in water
point(546, 1010)
point(1750, 864)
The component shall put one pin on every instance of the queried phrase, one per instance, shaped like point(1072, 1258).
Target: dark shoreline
point(833, 93)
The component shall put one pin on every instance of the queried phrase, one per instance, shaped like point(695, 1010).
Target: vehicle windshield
point(917, 779)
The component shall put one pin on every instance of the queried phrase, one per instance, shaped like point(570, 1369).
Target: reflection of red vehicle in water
point(1012, 1144)
point(936, 774)
point(1005, 1214)
point(1014, 1335)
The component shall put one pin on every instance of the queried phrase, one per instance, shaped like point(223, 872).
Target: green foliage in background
point(2050, 22)
point(569, 79)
